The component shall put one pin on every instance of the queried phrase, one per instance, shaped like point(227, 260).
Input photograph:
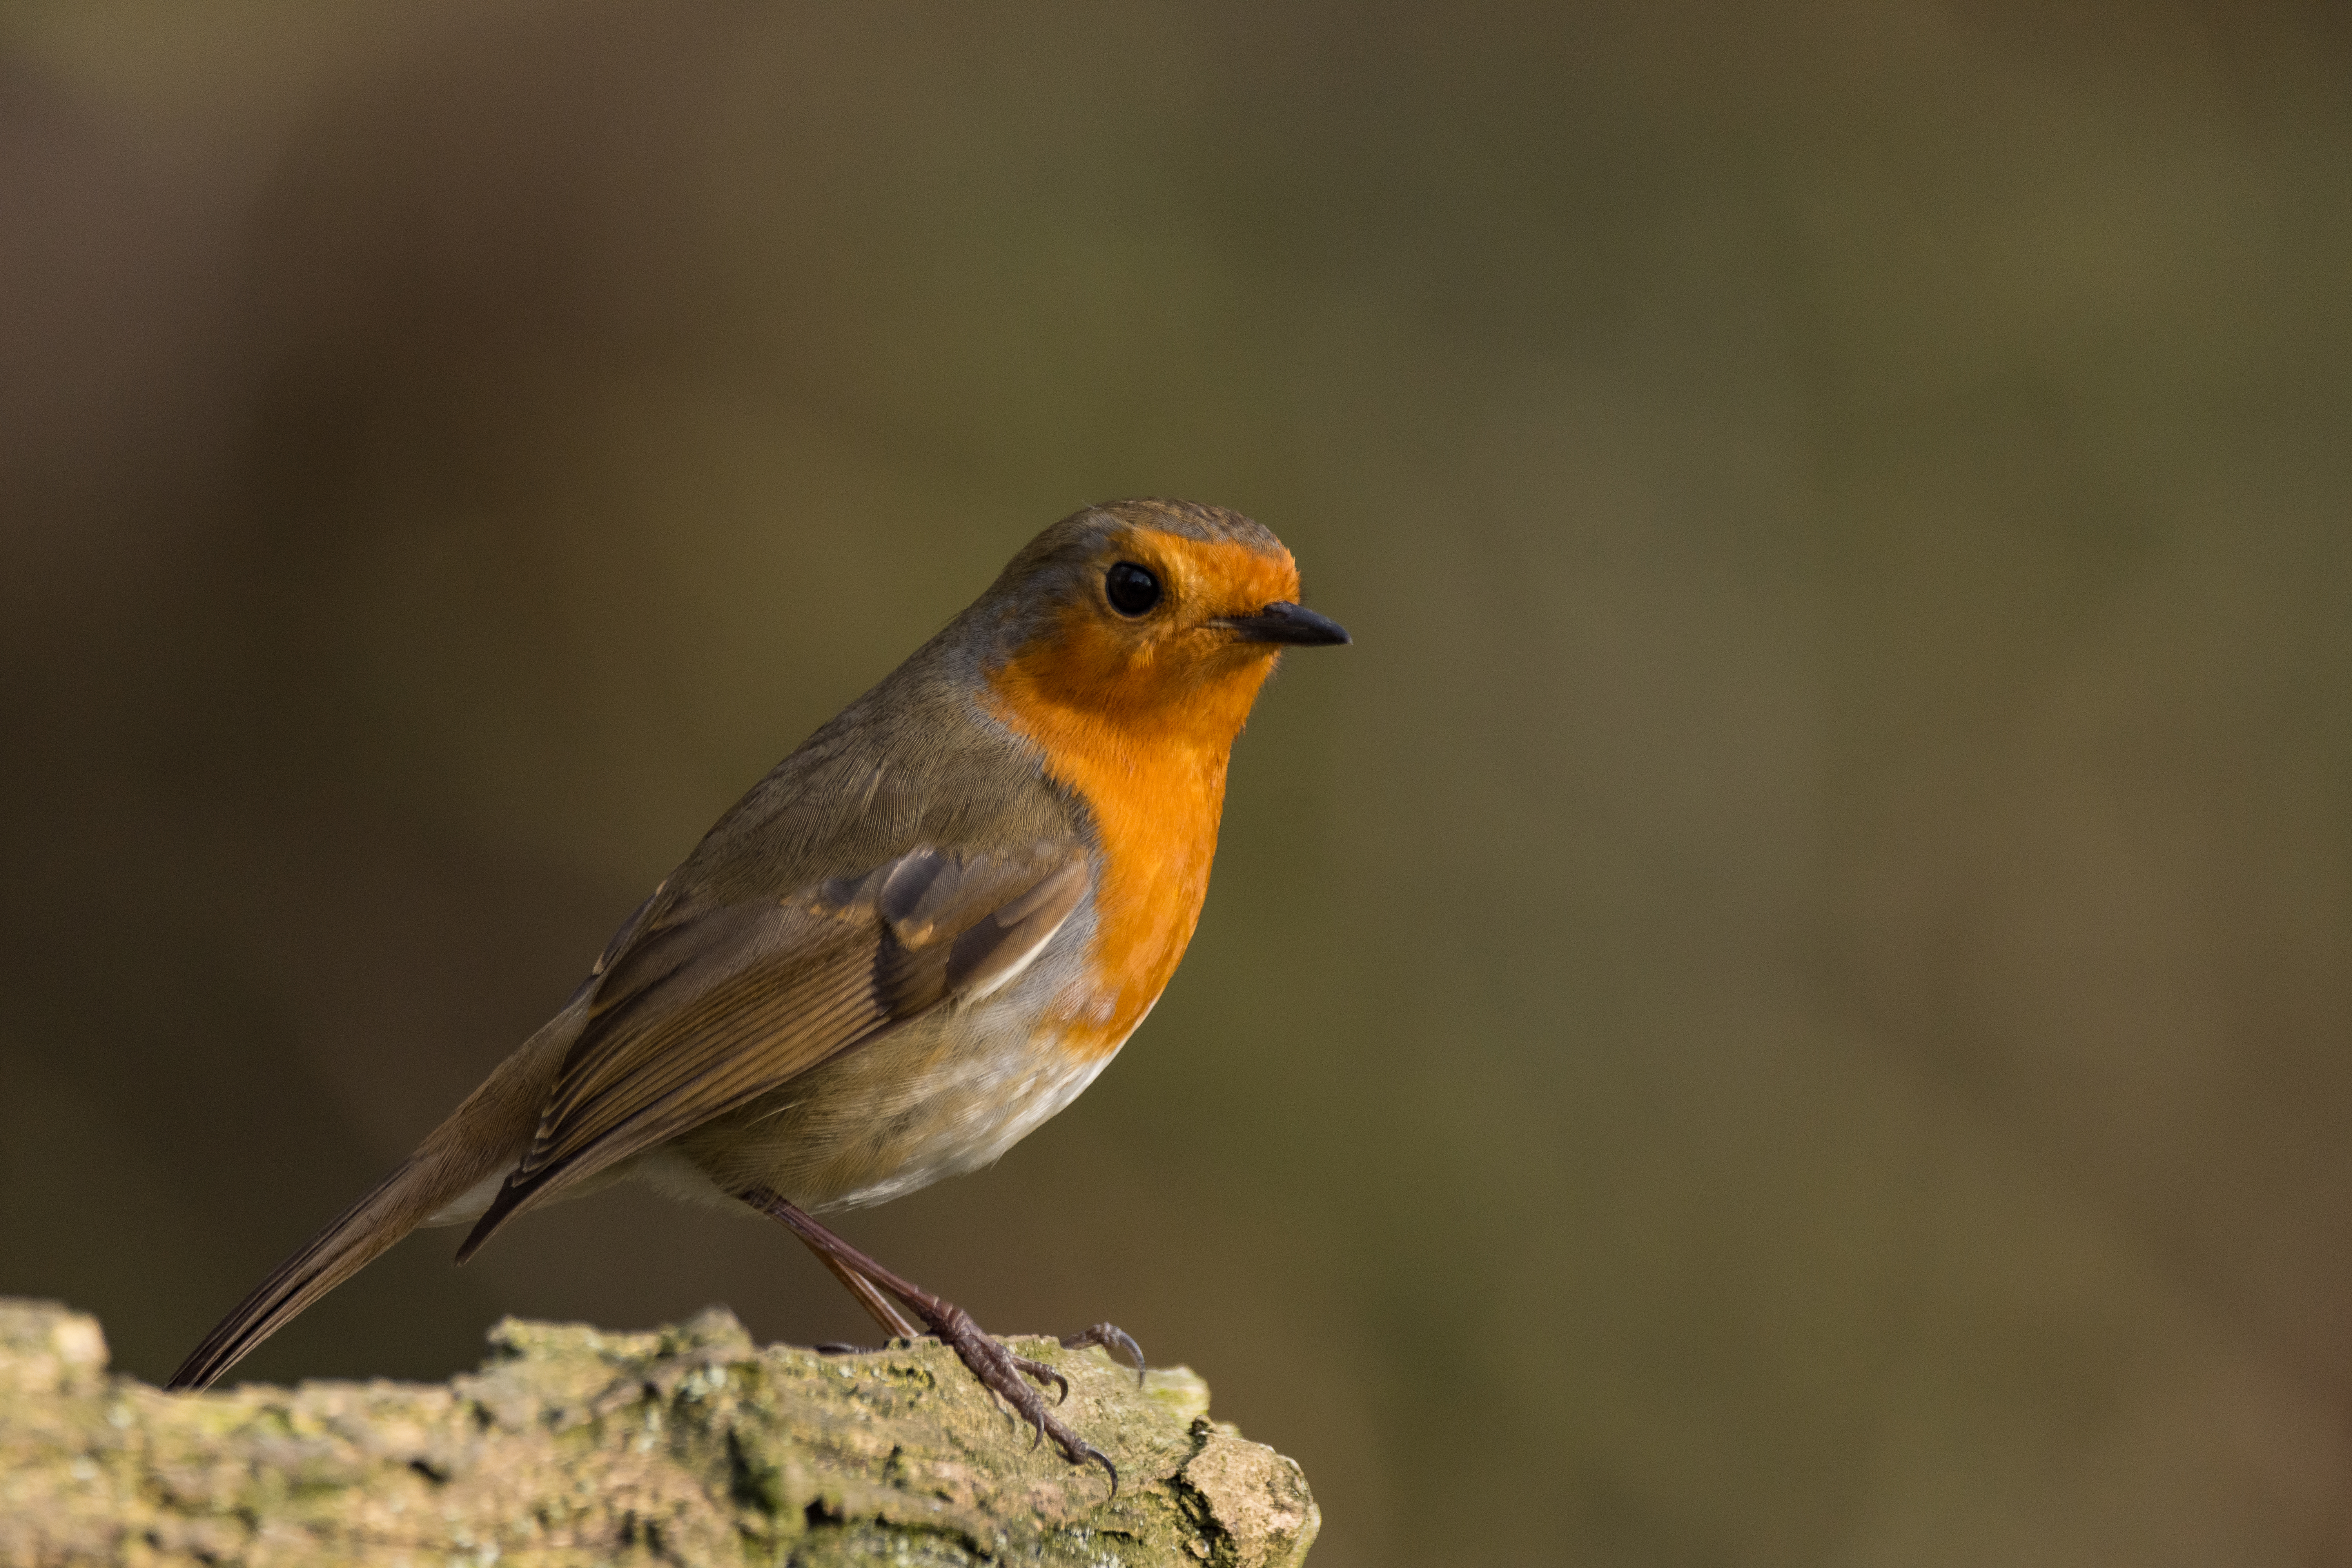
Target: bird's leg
point(895, 1323)
point(999, 1370)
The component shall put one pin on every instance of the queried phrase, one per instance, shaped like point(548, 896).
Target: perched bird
point(918, 938)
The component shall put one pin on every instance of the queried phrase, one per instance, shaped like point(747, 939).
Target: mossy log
point(686, 1444)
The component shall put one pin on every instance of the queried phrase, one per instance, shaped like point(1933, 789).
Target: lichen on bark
point(685, 1444)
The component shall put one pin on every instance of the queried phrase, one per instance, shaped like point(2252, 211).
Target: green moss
point(687, 1444)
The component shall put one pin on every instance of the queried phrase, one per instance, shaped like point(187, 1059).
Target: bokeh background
point(1786, 1003)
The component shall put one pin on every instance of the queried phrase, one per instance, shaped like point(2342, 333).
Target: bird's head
point(1153, 616)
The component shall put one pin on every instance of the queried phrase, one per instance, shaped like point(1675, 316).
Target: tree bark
point(686, 1444)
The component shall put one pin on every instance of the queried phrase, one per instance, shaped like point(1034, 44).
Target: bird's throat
point(1152, 778)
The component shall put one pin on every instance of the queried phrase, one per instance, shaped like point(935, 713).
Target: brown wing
point(708, 1004)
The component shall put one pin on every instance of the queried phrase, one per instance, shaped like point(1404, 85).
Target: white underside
point(472, 1204)
point(1050, 1082)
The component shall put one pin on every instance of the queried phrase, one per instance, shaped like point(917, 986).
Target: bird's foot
point(1000, 1370)
point(1112, 1337)
point(1006, 1374)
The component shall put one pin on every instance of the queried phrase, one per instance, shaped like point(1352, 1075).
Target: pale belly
point(943, 1095)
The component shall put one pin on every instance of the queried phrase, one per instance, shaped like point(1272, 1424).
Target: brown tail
point(486, 1134)
point(395, 1207)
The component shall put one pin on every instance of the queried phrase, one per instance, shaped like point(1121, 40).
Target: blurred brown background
point(1787, 1002)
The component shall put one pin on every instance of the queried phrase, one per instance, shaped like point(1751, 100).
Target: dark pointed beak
point(1285, 622)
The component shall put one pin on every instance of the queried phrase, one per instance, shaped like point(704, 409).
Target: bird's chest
point(1147, 767)
point(1155, 828)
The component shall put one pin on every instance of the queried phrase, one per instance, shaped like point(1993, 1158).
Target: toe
point(1114, 1339)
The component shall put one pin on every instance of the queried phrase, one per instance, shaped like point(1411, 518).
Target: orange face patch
point(1137, 716)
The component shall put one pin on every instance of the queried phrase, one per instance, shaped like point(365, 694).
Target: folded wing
point(708, 1004)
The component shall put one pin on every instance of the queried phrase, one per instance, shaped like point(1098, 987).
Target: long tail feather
point(355, 1238)
point(486, 1135)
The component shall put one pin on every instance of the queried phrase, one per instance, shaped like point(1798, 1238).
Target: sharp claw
point(1114, 1339)
point(1134, 1353)
point(1099, 1457)
point(1041, 1375)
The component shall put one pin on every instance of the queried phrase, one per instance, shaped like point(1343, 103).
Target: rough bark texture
point(685, 1444)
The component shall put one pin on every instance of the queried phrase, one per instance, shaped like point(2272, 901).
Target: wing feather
point(705, 1006)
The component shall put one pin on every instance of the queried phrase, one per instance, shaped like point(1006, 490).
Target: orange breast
point(1150, 766)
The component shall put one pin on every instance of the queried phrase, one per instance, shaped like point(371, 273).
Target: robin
point(918, 938)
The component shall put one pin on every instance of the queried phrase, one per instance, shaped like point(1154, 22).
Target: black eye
point(1133, 589)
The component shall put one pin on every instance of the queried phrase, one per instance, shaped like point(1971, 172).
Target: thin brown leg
point(895, 1323)
point(998, 1369)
